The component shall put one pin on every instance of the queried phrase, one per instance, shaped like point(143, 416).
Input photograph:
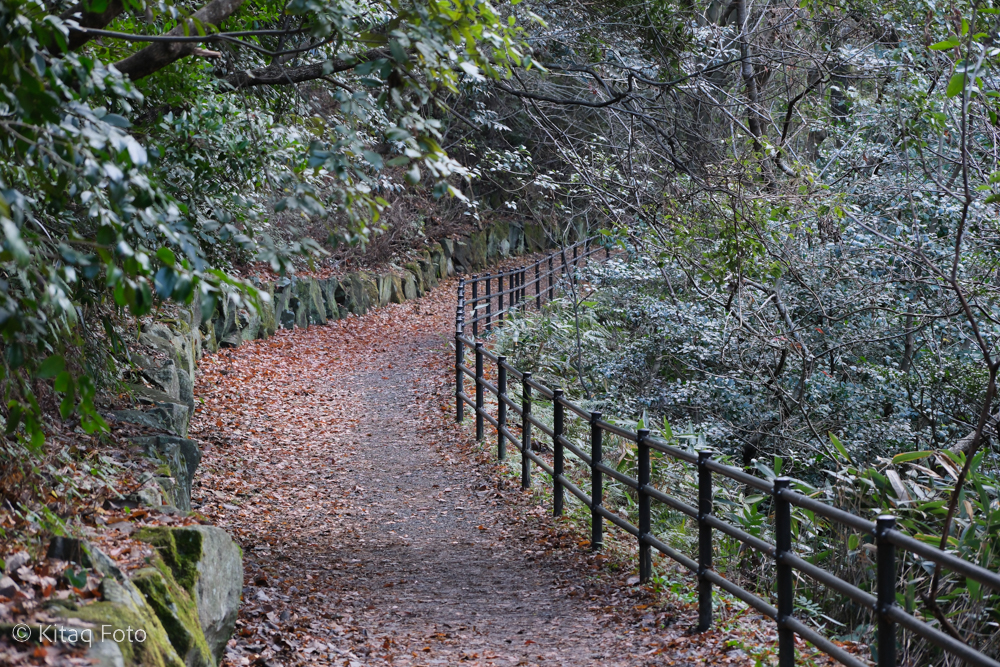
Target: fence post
point(479, 390)
point(557, 452)
point(525, 431)
point(704, 542)
point(500, 297)
point(549, 297)
point(885, 575)
point(461, 290)
point(645, 520)
point(501, 407)
point(597, 482)
point(475, 308)
point(489, 302)
point(520, 283)
point(784, 581)
point(459, 360)
point(538, 285)
point(607, 251)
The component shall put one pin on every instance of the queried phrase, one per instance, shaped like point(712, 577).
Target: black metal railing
point(552, 268)
point(886, 537)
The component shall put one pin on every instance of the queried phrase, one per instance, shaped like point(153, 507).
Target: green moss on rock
point(177, 611)
point(125, 607)
point(180, 550)
point(418, 277)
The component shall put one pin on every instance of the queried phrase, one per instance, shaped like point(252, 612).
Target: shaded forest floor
point(376, 532)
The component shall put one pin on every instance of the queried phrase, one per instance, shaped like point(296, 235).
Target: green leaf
point(164, 281)
point(910, 456)
point(974, 589)
point(14, 412)
point(116, 120)
point(166, 255)
point(77, 580)
point(956, 85)
point(413, 175)
point(51, 367)
point(949, 43)
point(840, 448)
point(15, 244)
point(63, 383)
point(374, 159)
point(398, 52)
point(852, 542)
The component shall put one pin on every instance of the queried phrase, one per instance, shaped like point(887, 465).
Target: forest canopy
point(811, 185)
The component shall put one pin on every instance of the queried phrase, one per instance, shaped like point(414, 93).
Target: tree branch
point(78, 38)
point(160, 54)
point(276, 75)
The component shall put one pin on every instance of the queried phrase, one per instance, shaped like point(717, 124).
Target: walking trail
point(375, 533)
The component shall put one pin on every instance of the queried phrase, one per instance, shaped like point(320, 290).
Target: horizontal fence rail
point(887, 539)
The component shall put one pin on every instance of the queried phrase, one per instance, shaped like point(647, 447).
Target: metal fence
point(561, 267)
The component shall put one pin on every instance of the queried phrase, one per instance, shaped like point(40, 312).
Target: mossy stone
point(177, 611)
point(370, 285)
point(418, 277)
point(311, 305)
point(498, 233)
point(535, 238)
point(384, 283)
point(398, 293)
point(428, 271)
point(268, 318)
point(438, 260)
point(409, 286)
point(108, 616)
point(329, 287)
point(180, 550)
point(478, 242)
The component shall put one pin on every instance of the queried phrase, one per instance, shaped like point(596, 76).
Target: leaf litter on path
point(376, 532)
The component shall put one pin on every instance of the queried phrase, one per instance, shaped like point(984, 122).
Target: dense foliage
point(133, 173)
point(807, 196)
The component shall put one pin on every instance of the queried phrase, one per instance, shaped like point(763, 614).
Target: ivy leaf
point(15, 244)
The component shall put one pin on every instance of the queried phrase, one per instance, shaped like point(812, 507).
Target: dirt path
point(370, 534)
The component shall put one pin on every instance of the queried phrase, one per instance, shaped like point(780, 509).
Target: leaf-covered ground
point(376, 532)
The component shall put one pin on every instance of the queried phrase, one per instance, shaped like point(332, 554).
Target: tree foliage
point(138, 165)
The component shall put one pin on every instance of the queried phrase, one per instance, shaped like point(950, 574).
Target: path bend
point(371, 534)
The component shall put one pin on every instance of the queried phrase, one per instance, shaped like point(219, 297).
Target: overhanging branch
point(276, 75)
